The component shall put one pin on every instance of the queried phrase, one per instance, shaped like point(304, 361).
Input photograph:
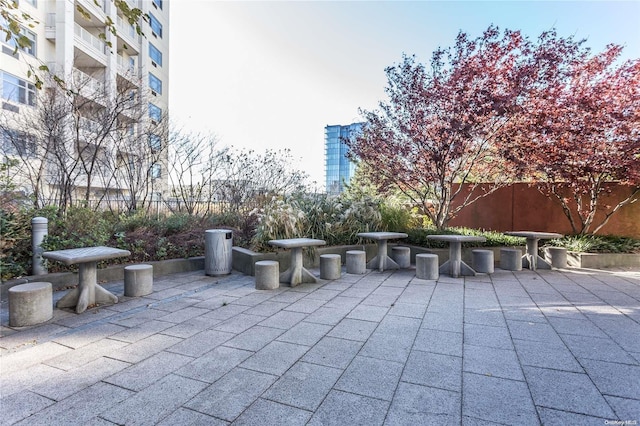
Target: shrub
point(176, 223)
point(337, 220)
point(494, 239)
point(597, 244)
point(130, 222)
point(79, 227)
point(399, 217)
point(333, 219)
point(15, 243)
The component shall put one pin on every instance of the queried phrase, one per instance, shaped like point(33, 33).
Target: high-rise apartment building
point(103, 103)
point(338, 168)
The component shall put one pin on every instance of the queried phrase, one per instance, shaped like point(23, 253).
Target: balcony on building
point(128, 38)
point(93, 12)
point(95, 9)
point(128, 69)
point(88, 86)
point(50, 26)
point(127, 103)
point(89, 49)
point(88, 129)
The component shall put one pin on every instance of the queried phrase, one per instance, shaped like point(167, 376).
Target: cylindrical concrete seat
point(511, 259)
point(267, 274)
point(557, 256)
point(482, 261)
point(30, 304)
point(330, 266)
point(402, 256)
point(356, 262)
point(138, 280)
point(427, 266)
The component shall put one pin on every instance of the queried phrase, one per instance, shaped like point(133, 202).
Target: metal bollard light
point(39, 230)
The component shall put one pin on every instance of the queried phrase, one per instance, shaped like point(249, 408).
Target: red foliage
point(438, 126)
point(499, 107)
point(581, 127)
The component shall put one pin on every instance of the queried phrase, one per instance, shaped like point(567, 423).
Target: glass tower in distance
point(338, 168)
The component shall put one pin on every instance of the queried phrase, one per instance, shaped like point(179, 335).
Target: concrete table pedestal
point(88, 292)
point(531, 259)
point(297, 273)
point(455, 267)
point(382, 261)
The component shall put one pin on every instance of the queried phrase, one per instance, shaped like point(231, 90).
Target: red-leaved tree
point(580, 129)
point(438, 127)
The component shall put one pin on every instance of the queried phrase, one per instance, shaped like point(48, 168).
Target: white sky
point(274, 74)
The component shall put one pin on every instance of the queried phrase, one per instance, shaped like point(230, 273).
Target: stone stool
point(402, 256)
point(511, 259)
point(482, 261)
point(138, 280)
point(30, 304)
point(267, 274)
point(427, 266)
point(556, 256)
point(356, 262)
point(330, 266)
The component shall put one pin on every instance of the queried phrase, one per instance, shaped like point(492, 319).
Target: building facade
point(103, 100)
point(338, 168)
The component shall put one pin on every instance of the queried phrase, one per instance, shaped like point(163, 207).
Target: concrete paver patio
point(545, 347)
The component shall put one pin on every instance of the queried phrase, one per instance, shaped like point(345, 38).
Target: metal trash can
point(218, 245)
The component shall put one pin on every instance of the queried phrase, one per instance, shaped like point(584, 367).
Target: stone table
point(382, 260)
point(88, 291)
point(297, 273)
point(531, 259)
point(455, 266)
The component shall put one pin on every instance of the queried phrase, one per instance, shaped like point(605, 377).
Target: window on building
point(155, 143)
point(14, 142)
point(31, 50)
point(29, 35)
point(156, 26)
point(155, 83)
point(158, 4)
point(156, 171)
point(155, 113)
point(18, 90)
point(33, 3)
point(155, 54)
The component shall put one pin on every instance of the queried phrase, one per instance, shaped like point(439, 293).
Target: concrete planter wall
point(602, 260)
